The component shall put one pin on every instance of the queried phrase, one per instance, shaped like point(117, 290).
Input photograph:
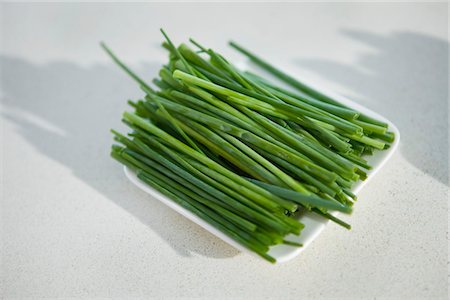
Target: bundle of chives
point(241, 152)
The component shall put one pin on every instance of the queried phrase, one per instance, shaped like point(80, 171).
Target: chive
point(296, 142)
point(197, 60)
point(350, 194)
point(299, 85)
point(294, 98)
point(328, 188)
point(177, 53)
point(267, 164)
point(366, 140)
point(251, 138)
point(176, 126)
point(270, 104)
point(365, 118)
point(258, 214)
point(388, 136)
point(242, 153)
point(306, 200)
point(291, 243)
point(227, 150)
point(170, 179)
point(191, 152)
point(283, 76)
point(123, 66)
point(200, 211)
point(369, 127)
point(334, 219)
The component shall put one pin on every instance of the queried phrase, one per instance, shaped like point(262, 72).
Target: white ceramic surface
point(314, 224)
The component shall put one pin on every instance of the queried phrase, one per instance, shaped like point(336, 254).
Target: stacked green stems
point(227, 150)
point(304, 133)
point(370, 128)
point(349, 125)
point(315, 181)
point(237, 154)
point(323, 134)
point(353, 175)
point(176, 53)
point(357, 160)
point(173, 122)
point(269, 103)
point(267, 108)
point(295, 226)
point(314, 111)
point(300, 85)
point(244, 206)
point(248, 207)
point(289, 181)
point(199, 62)
point(221, 125)
point(299, 107)
point(221, 182)
point(327, 187)
point(283, 76)
point(243, 153)
point(158, 144)
point(265, 197)
point(254, 127)
point(388, 136)
point(336, 158)
point(233, 116)
point(344, 183)
point(364, 140)
point(228, 112)
point(199, 187)
point(343, 112)
point(229, 69)
point(258, 242)
point(305, 200)
point(294, 140)
point(366, 118)
point(212, 218)
point(178, 183)
point(168, 79)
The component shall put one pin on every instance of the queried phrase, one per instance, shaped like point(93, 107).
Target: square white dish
point(314, 224)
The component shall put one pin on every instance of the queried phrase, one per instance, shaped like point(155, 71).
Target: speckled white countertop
point(73, 226)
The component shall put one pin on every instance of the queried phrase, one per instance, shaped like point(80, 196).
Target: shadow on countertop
point(65, 111)
point(405, 78)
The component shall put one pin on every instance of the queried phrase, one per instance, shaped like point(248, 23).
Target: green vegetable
point(242, 153)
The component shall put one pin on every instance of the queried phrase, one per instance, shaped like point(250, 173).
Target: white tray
point(314, 224)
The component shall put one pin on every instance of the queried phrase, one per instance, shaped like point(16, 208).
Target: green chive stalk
point(242, 153)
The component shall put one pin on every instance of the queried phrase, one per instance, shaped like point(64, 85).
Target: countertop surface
point(72, 225)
